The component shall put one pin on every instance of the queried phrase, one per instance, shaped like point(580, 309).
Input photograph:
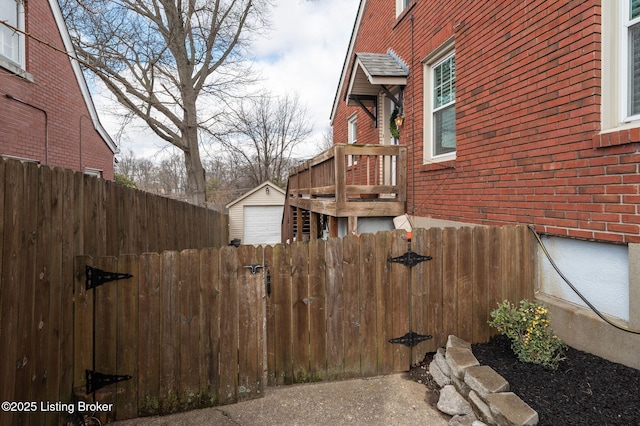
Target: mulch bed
point(584, 390)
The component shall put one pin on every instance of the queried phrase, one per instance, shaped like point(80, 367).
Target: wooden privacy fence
point(47, 217)
point(214, 326)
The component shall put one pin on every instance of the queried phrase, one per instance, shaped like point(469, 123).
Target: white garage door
point(262, 224)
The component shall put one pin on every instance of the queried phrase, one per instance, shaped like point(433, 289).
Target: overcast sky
point(303, 53)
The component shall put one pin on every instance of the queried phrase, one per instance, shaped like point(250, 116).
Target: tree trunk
point(196, 188)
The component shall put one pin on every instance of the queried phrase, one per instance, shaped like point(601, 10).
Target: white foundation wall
point(600, 271)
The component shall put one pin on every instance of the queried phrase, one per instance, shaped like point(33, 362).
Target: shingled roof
point(372, 70)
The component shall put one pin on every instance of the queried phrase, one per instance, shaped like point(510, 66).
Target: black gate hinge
point(96, 380)
point(409, 259)
point(96, 277)
point(411, 339)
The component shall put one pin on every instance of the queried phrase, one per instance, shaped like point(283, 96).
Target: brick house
point(513, 113)
point(46, 112)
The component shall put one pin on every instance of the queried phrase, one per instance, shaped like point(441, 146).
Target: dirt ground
point(584, 390)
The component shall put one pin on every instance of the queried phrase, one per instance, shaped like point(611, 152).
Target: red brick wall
point(528, 117)
point(55, 127)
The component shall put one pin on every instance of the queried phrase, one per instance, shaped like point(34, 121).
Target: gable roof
point(345, 65)
point(77, 71)
point(372, 70)
point(254, 190)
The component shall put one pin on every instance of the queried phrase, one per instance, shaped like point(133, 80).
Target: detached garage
point(256, 217)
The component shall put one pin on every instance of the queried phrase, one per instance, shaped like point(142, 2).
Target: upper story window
point(632, 27)
point(440, 105)
point(11, 41)
point(401, 5)
point(620, 64)
point(352, 138)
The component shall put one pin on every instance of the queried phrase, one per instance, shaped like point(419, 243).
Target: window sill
point(435, 166)
point(15, 69)
point(620, 136)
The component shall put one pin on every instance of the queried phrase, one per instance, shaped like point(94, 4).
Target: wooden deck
point(347, 181)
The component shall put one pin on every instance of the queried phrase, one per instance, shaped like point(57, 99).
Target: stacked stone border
point(474, 394)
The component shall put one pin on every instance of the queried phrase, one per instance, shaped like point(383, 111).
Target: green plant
point(529, 329)
point(393, 128)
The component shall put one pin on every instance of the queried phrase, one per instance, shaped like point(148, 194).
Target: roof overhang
point(371, 73)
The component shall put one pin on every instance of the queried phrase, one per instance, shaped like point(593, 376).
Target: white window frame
point(625, 65)
point(15, 64)
point(90, 171)
point(352, 137)
point(433, 60)
point(615, 98)
point(401, 5)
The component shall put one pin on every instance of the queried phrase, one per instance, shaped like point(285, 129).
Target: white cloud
point(303, 53)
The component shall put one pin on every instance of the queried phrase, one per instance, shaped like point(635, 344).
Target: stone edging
point(471, 392)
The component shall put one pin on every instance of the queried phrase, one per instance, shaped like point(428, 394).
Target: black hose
point(584, 299)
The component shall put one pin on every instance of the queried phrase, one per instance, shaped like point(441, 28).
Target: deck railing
point(350, 181)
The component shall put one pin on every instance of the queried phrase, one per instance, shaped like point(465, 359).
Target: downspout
point(46, 124)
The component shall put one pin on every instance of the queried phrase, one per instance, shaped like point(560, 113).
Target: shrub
point(529, 329)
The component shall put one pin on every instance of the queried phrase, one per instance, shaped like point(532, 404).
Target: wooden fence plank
point(68, 284)
point(127, 316)
point(300, 305)
point(188, 329)
point(169, 333)
point(43, 316)
point(317, 310)
point(281, 288)
point(229, 334)
point(367, 300)
point(465, 283)
point(527, 263)
point(271, 333)
point(400, 301)
point(209, 325)
point(432, 293)
point(509, 265)
point(494, 274)
point(105, 328)
point(10, 283)
point(450, 308)
point(250, 362)
point(149, 331)
point(60, 301)
point(335, 309)
point(480, 285)
point(384, 308)
point(351, 290)
point(25, 273)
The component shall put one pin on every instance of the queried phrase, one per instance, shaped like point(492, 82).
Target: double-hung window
point(440, 105)
point(632, 28)
point(444, 106)
point(11, 41)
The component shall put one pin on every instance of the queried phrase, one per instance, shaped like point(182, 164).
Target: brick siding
point(529, 147)
point(66, 129)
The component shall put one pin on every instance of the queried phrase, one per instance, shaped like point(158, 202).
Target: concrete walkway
point(377, 401)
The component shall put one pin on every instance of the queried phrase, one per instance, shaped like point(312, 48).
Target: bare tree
point(164, 59)
point(266, 131)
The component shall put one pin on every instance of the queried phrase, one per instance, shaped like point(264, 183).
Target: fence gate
point(208, 327)
point(163, 333)
point(410, 259)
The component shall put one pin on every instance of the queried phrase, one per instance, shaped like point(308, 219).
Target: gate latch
point(254, 268)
